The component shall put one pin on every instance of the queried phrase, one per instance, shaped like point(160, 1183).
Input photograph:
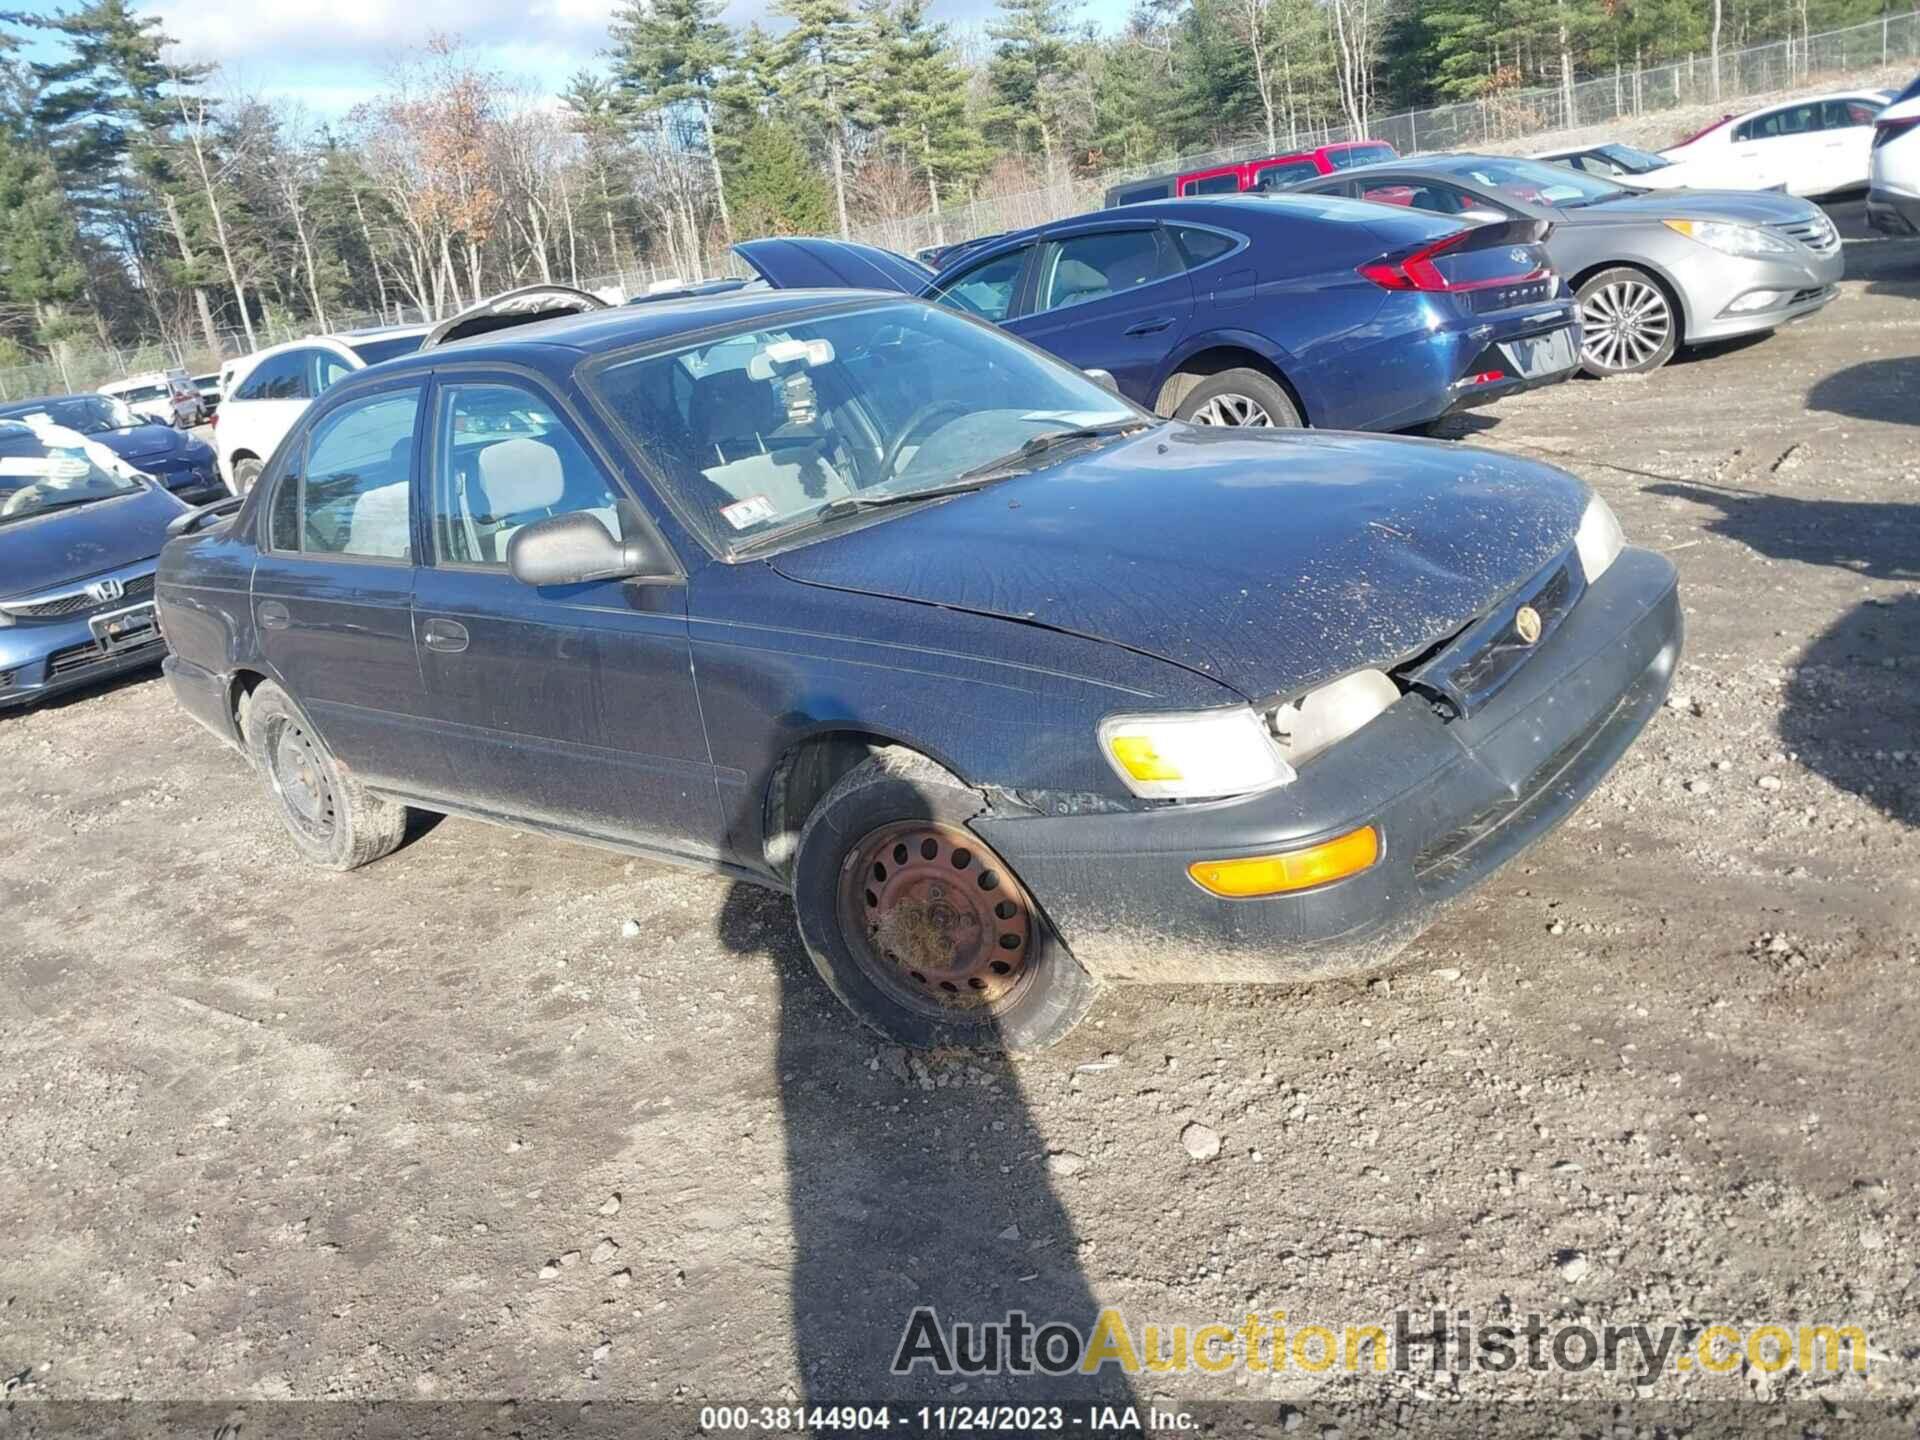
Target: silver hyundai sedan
point(1654, 270)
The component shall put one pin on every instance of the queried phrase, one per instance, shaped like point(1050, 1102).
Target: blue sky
point(332, 54)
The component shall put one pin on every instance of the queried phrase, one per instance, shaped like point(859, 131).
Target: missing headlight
point(1303, 728)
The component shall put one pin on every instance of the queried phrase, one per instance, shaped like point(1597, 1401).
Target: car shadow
point(1850, 702)
point(1693, 354)
point(914, 1183)
point(1872, 539)
point(1886, 390)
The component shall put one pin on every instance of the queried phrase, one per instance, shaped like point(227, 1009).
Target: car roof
point(10, 406)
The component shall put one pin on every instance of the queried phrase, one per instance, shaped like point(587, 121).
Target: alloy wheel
point(1626, 323)
point(1231, 409)
point(936, 920)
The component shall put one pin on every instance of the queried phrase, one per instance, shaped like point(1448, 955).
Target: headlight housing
point(1731, 239)
point(1303, 728)
point(1599, 538)
point(1193, 755)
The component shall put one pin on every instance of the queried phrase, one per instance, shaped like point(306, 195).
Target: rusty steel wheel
point(936, 920)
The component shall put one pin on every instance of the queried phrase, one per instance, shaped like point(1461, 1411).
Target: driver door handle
point(449, 637)
point(273, 615)
point(1150, 327)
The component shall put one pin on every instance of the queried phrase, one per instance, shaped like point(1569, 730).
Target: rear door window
point(350, 493)
point(1287, 172)
point(1434, 198)
point(1228, 184)
point(1084, 268)
point(989, 289)
point(1202, 247)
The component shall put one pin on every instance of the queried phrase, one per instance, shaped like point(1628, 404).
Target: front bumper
point(62, 639)
point(1714, 281)
point(1892, 213)
point(1452, 801)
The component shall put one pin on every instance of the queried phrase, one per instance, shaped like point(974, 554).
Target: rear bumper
point(1452, 801)
point(1892, 213)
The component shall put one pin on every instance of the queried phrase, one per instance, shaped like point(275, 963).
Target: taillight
point(1417, 270)
point(1885, 130)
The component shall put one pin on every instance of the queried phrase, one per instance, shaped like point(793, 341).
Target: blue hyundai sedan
point(1014, 686)
point(182, 463)
point(1254, 310)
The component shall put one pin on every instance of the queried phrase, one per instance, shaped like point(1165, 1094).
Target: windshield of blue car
point(1632, 161)
point(772, 429)
point(1535, 181)
point(388, 348)
point(40, 472)
point(88, 414)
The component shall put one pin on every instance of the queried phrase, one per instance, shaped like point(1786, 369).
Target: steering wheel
point(19, 499)
point(916, 422)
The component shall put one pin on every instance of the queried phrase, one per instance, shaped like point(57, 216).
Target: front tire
point(246, 473)
point(917, 926)
point(1241, 398)
point(334, 821)
point(1628, 323)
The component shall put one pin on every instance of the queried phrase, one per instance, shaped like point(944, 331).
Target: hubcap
point(1231, 409)
point(935, 919)
point(1625, 323)
point(300, 781)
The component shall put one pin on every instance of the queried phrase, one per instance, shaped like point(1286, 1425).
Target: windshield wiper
point(1040, 444)
point(854, 504)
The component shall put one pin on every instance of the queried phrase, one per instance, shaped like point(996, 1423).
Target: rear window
point(1288, 172)
point(374, 351)
point(1134, 194)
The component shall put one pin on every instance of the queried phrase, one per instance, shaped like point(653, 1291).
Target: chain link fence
point(1494, 121)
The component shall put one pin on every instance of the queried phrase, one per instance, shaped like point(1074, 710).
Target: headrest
point(519, 475)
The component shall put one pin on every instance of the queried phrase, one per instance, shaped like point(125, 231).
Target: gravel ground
point(438, 1129)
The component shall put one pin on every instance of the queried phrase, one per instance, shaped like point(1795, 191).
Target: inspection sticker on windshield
point(750, 511)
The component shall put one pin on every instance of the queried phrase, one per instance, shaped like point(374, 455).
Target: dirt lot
point(437, 1129)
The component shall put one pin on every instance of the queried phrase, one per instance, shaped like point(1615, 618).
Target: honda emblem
point(105, 591)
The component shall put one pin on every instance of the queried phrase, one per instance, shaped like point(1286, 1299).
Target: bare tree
point(196, 117)
point(1356, 27)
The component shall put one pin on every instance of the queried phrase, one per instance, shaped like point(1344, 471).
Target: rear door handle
point(273, 615)
point(449, 637)
point(1150, 327)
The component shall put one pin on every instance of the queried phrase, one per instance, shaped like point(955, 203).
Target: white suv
point(270, 389)
point(1893, 194)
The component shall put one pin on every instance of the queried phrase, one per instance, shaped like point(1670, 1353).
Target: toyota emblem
point(1526, 623)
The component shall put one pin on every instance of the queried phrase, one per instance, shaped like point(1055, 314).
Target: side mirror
point(572, 549)
point(1104, 379)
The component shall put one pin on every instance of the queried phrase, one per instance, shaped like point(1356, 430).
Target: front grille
point(1467, 672)
point(82, 657)
point(1817, 233)
point(79, 603)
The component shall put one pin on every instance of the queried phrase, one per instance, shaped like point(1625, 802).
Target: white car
point(1624, 165)
point(268, 391)
point(166, 397)
point(1893, 180)
point(1814, 146)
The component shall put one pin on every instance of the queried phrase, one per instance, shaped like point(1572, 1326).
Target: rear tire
point(1629, 324)
point(246, 473)
point(1241, 398)
point(917, 926)
point(332, 818)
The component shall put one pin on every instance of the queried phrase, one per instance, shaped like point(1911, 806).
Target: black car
point(1017, 688)
point(184, 465)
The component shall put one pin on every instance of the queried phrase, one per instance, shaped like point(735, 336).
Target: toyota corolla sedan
point(1653, 271)
point(1015, 687)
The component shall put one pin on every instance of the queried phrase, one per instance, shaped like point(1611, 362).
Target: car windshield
point(43, 470)
point(86, 414)
point(1634, 162)
point(389, 348)
point(773, 430)
point(1912, 92)
point(1535, 181)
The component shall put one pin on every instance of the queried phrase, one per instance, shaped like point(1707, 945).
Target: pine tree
point(41, 271)
point(776, 187)
point(1033, 60)
point(916, 93)
point(818, 78)
point(675, 53)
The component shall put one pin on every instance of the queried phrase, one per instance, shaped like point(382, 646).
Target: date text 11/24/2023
point(756, 1420)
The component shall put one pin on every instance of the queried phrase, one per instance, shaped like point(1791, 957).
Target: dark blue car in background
point(1254, 310)
point(80, 535)
point(1014, 686)
point(179, 461)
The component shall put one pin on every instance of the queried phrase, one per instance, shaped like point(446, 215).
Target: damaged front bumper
point(1451, 800)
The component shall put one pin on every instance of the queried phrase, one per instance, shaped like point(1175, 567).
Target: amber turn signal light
point(1320, 864)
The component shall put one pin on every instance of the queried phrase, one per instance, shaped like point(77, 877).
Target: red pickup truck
point(1269, 172)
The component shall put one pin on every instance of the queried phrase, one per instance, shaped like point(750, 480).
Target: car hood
point(1743, 207)
point(67, 545)
point(809, 263)
point(1269, 561)
point(143, 443)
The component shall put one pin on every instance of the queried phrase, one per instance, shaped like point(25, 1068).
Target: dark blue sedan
point(1254, 310)
point(181, 463)
point(1014, 686)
